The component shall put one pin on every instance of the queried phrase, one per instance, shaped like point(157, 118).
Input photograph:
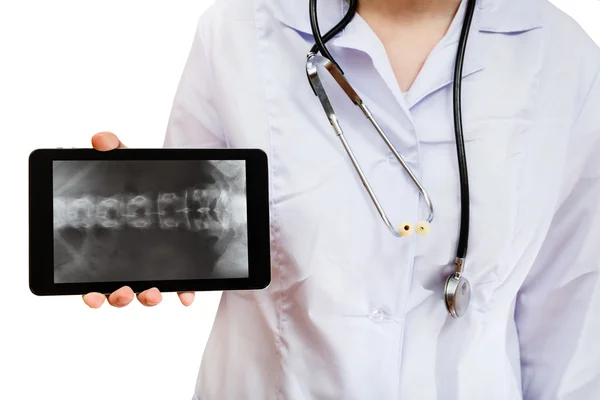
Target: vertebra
point(139, 212)
point(81, 213)
point(109, 211)
point(209, 207)
point(173, 210)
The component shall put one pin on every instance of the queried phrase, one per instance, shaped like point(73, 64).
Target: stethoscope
point(457, 290)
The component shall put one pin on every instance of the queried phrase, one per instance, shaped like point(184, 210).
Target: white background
point(69, 69)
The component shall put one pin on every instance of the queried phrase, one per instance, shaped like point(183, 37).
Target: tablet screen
point(149, 220)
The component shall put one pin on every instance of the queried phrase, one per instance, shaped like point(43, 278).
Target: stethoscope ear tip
point(405, 230)
point(423, 228)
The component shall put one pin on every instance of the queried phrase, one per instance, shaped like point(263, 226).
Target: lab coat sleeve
point(194, 119)
point(558, 307)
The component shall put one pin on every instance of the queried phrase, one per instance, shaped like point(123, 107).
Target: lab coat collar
point(498, 16)
point(492, 16)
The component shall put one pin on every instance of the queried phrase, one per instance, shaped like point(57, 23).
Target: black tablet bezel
point(41, 265)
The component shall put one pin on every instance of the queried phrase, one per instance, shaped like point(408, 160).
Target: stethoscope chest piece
point(457, 295)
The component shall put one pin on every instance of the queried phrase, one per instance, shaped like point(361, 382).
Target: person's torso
point(352, 311)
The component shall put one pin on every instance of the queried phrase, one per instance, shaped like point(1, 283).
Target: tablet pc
point(174, 219)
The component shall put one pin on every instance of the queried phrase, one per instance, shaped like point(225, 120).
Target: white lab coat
point(355, 313)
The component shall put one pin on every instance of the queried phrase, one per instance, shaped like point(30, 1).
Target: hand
point(122, 297)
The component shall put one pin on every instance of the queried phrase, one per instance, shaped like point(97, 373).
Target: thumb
point(105, 141)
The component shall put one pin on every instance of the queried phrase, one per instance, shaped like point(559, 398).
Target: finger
point(121, 297)
point(150, 297)
point(186, 298)
point(94, 300)
point(106, 141)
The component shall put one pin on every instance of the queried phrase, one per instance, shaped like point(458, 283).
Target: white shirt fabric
point(355, 313)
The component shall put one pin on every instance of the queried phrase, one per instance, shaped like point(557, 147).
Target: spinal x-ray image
point(149, 220)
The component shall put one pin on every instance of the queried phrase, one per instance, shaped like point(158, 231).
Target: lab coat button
point(391, 159)
point(379, 315)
